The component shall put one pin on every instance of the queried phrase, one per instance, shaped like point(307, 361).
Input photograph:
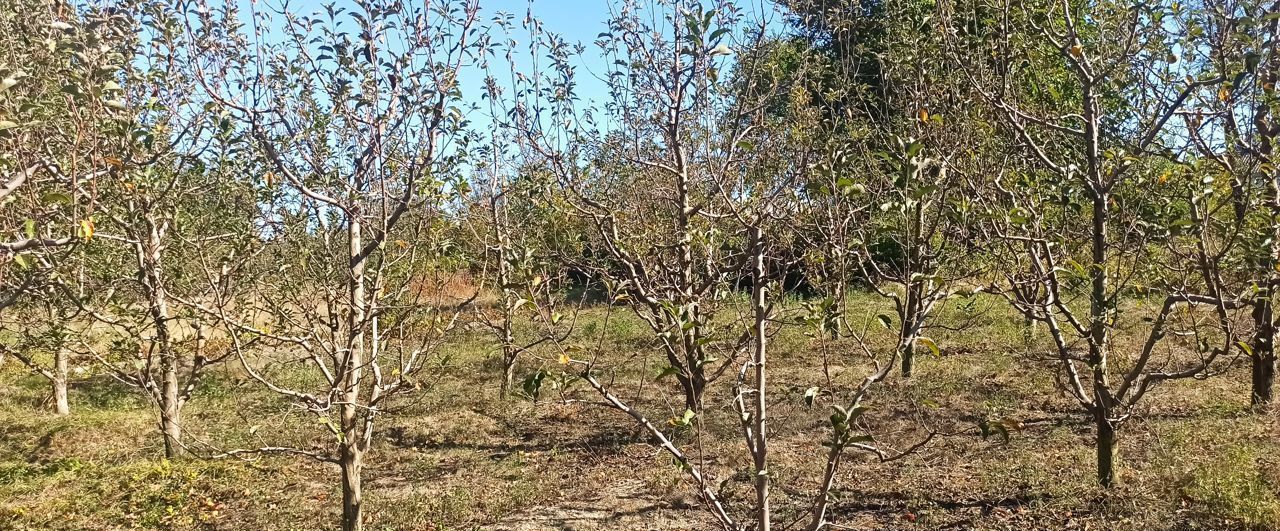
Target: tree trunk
point(509, 298)
point(908, 359)
point(912, 289)
point(761, 454)
point(151, 273)
point(508, 374)
point(171, 415)
point(1264, 377)
point(1264, 352)
point(509, 352)
point(1030, 328)
point(694, 386)
point(1106, 448)
point(909, 327)
point(351, 452)
point(351, 461)
point(1098, 345)
point(170, 405)
point(61, 405)
point(837, 305)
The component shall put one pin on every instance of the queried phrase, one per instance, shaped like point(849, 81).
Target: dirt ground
point(459, 458)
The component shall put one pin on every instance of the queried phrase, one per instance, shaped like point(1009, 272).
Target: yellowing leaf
point(933, 347)
point(86, 229)
point(1076, 50)
point(564, 359)
point(923, 115)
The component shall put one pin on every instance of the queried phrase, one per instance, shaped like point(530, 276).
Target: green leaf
point(7, 124)
point(848, 185)
point(913, 149)
point(684, 420)
point(533, 384)
point(1000, 427)
point(56, 197)
point(885, 321)
point(667, 371)
point(21, 260)
point(922, 191)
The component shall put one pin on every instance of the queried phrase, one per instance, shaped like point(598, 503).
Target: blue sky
point(581, 22)
point(578, 21)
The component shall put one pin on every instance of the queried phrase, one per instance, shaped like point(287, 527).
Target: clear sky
point(578, 22)
point(581, 22)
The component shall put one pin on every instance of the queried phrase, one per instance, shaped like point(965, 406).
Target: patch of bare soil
point(625, 504)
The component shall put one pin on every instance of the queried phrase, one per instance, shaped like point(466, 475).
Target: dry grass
point(460, 459)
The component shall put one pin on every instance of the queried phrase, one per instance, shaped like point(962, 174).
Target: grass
point(458, 458)
point(1233, 487)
